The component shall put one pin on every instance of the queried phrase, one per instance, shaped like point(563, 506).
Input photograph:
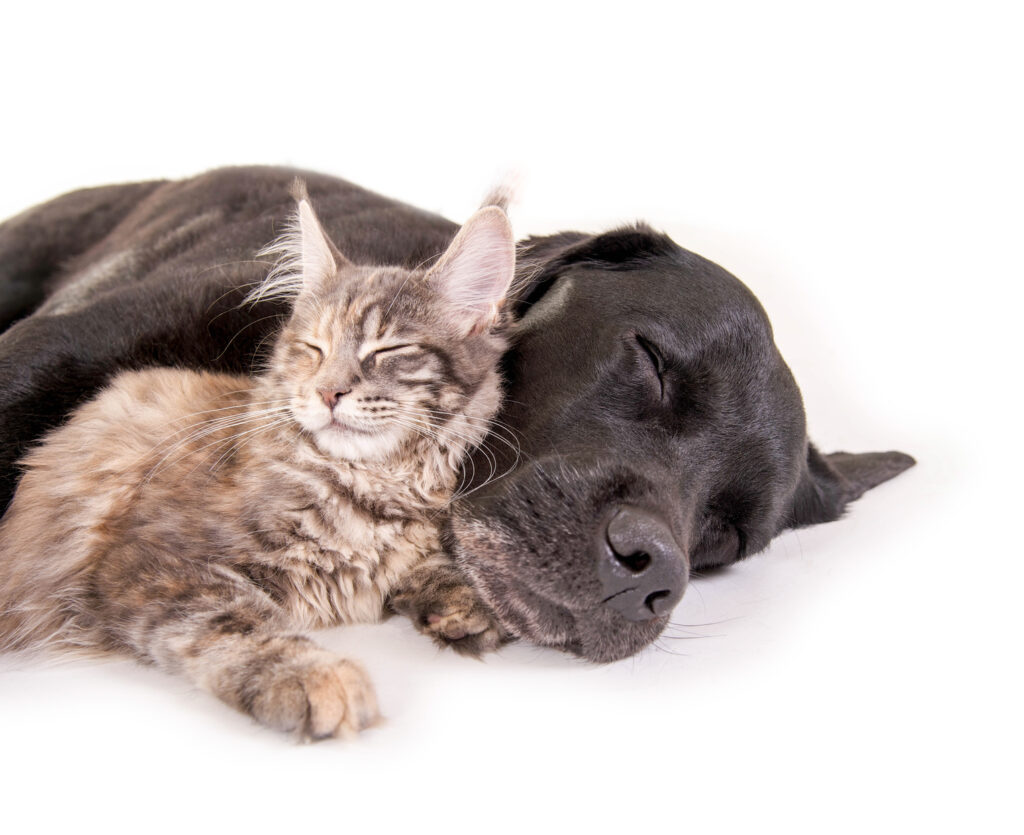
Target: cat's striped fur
point(198, 521)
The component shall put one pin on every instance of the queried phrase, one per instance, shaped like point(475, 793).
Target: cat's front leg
point(289, 683)
point(439, 601)
point(225, 635)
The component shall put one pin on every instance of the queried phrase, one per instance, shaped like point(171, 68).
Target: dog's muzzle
point(576, 552)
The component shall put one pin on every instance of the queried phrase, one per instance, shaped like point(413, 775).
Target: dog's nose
point(331, 396)
point(641, 567)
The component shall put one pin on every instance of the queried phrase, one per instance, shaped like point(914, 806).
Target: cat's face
point(375, 357)
point(364, 372)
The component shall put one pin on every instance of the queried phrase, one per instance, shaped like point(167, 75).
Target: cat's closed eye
point(314, 350)
point(387, 351)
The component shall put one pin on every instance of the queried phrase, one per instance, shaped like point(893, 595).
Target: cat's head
point(373, 358)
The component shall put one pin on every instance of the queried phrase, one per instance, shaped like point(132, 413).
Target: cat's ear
point(317, 258)
point(306, 258)
point(474, 274)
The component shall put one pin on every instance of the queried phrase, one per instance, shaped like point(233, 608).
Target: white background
point(859, 168)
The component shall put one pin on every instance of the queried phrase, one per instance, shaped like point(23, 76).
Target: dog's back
point(37, 245)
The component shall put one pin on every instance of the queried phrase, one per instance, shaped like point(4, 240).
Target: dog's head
point(657, 431)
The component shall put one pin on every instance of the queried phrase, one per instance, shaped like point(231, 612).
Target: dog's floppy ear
point(541, 260)
point(830, 482)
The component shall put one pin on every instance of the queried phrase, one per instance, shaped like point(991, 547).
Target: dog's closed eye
point(657, 361)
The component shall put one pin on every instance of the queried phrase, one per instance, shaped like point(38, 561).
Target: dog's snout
point(641, 567)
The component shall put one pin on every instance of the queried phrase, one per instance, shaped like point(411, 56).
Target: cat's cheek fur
point(310, 414)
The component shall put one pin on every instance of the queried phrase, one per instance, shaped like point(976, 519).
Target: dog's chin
point(503, 580)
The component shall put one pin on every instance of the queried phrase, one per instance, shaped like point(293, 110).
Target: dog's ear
point(830, 482)
point(541, 260)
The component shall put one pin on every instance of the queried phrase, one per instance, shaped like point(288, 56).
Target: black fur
point(642, 376)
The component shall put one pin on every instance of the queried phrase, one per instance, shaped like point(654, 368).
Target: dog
point(650, 429)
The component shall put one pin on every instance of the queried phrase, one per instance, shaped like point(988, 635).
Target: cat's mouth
point(342, 425)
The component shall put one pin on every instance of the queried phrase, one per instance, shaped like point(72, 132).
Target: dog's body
point(658, 428)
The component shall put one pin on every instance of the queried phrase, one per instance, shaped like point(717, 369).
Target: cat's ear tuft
point(306, 258)
point(318, 258)
point(476, 270)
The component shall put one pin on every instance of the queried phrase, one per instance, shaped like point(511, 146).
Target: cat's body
point(327, 543)
point(196, 520)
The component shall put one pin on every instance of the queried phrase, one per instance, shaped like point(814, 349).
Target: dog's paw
point(315, 697)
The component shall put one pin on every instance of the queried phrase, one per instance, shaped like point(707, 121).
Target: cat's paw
point(455, 617)
point(316, 698)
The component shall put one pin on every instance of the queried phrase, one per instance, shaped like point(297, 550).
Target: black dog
point(658, 428)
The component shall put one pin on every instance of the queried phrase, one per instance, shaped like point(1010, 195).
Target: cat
point(201, 521)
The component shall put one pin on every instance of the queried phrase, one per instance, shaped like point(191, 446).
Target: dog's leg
point(439, 601)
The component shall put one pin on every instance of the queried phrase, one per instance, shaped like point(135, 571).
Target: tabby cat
point(199, 521)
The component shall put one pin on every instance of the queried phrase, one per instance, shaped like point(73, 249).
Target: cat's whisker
point(214, 424)
point(227, 422)
point(469, 440)
point(432, 432)
point(420, 429)
point(246, 406)
point(244, 328)
point(426, 433)
point(472, 423)
point(227, 441)
point(494, 426)
point(489, 456)
point(462, 493)
point(234, 437)
point(252, 434)
point(205, 430)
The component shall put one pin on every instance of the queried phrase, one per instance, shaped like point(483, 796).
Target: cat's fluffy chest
point(327, 540)
point(338, 536)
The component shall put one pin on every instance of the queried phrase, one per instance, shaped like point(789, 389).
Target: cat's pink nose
point(332, 396)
